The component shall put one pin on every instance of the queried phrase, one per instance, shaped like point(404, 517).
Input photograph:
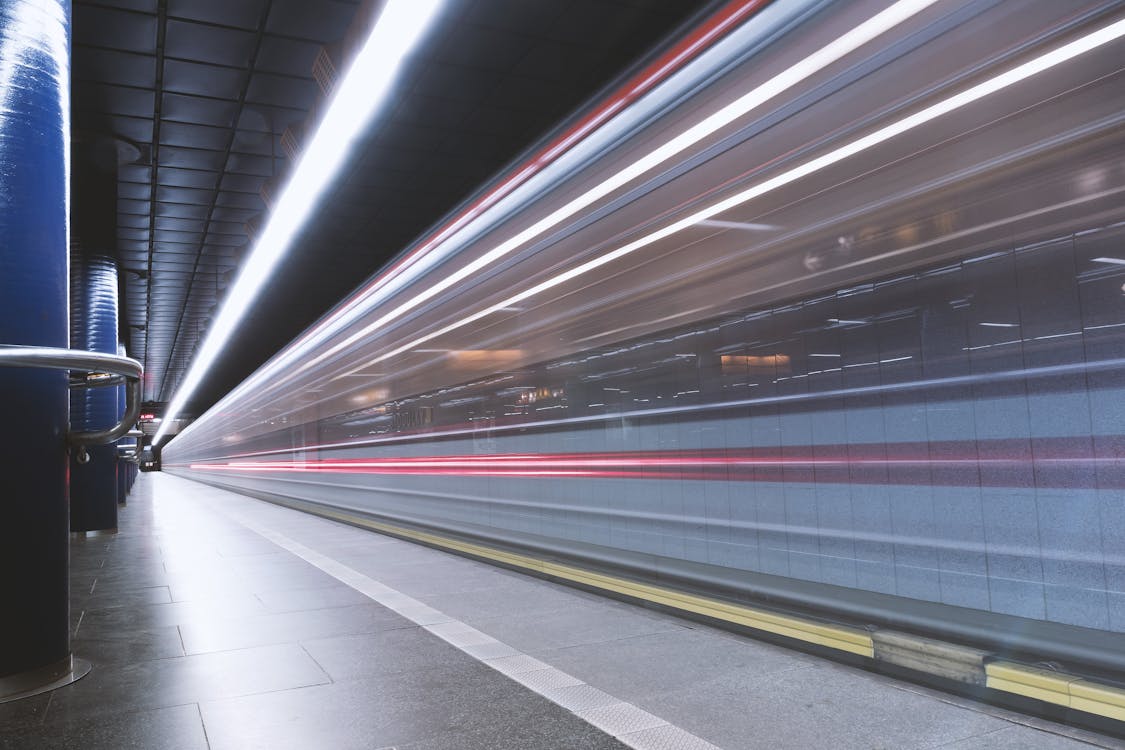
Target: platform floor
point(218, 621)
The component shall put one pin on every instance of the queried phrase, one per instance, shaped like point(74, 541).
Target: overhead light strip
point(364, 88)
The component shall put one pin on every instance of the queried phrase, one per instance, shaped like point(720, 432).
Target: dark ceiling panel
point(182, 195)
point(230, 76)
point(282, 91)
point(248, 164)
point(209, 44)
point(320, 21)
point(181, 211)
point(135, 190)
point(189, 178)
point(243, 183)
point(192, 158)
point(228, 228)
point(143, 6)
point(293, 57)
point(229, 240)
point(255, 142)
point(119, 100)
point(133, 206)
point(134, 173)
point(240, 200)
point(197, 136)
point(133, 221)
point(124, 68)
point(266, 119)
point(135, 129)
point(203, 80)
point(124, 233)
point(239, 13)
point(199, 110)
point(187, 238)
point(238, 215)
point(116, 29)
point(180, 225)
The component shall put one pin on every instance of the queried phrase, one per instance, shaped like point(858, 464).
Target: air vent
point(334, 58)
point(328, 66)
point(292, 139)
point(269, 191)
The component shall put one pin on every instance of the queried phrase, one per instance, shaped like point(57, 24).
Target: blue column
point(121, 465)
point(34, 136)
point(93, 321)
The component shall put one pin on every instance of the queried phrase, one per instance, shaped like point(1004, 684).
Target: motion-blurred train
point(822, 309)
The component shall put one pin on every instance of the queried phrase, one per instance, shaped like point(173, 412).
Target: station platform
point(215, 620)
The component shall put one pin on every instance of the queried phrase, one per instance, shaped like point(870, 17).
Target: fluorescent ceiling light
point(398, 28)
point(986, 88)
point(1000, 325)
point(759, 95)
point(1114, 261)
point(824, 355)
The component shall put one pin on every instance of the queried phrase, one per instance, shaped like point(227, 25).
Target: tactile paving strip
point(621, 718)
point(666, 737)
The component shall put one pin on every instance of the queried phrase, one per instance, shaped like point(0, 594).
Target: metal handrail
point(74, 359)
point(123, 451)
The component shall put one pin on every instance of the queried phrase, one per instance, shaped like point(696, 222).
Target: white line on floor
point(622, 720)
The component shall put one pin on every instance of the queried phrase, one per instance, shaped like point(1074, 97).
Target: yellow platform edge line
point(851, 640)
point(1052, 687)
point(1058, 688)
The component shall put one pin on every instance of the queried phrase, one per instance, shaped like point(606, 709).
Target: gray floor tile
point(128, 646)
point(799, 708)
point(1014, 737)
point(496, 600)
point(132, 598)
point(22, 713)
point(109, 621)
point(632, 668)
point(546, 733)
point(585, 622)
point(392, 710)
point(388, 652)
point(203, 636)
point(305, 599)
point(172, 728)
point(188, 679)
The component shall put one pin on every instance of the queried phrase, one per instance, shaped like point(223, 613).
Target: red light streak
point(730, 465)
point(711, 30)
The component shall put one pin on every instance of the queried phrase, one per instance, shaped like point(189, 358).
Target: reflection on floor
point(212, 623)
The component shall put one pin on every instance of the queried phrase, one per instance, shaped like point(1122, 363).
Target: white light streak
point(822, 58)
point(997, 83)
point(400, 25)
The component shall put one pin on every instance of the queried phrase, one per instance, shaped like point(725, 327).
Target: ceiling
point(197, 95)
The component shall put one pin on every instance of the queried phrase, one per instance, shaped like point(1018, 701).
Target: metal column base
point(43, 679)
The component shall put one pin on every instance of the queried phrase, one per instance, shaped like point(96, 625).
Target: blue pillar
point(93, 321)
point(34, 136)
point(120, 464)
